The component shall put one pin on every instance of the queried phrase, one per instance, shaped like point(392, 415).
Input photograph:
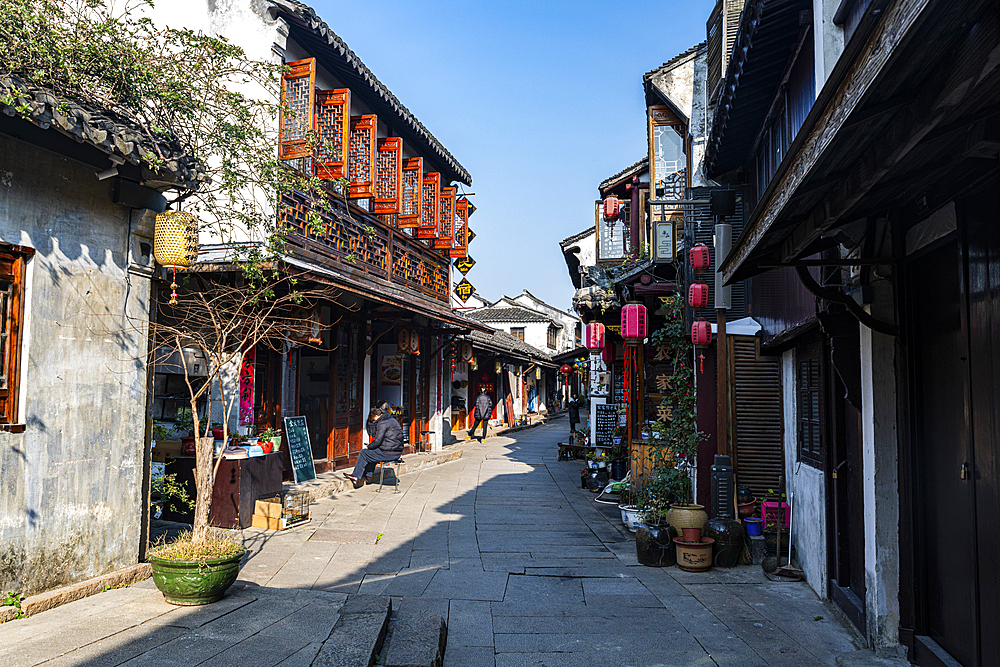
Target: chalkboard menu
point(299, 449)
point(605, 423)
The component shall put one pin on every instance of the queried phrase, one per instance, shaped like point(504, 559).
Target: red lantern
point(611, 208)
point(566, 370)
point(634, 321)
point(698, 295)
point(608, 354)
point(595, 336)
point(701, 333)
point(701, 259)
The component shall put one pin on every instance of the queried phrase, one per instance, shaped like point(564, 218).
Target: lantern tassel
point(173, 287)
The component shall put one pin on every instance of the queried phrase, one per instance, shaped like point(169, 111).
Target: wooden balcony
point(363, 246)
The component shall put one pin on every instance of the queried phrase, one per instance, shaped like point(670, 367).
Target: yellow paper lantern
point(175, 239)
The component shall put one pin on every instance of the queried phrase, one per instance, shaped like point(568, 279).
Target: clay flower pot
point(683, 516)
point(189, 582)
point(694, 556)
point(691, 534)
point(747, 509)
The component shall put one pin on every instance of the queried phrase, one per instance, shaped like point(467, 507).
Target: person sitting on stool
point(386, 445)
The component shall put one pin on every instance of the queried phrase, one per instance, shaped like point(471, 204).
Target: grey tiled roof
point(627, 171)
point(673, 61)
point(501, 341)
point(576, 237)
point(100, 128)
point(507, 315)
point(307, 15)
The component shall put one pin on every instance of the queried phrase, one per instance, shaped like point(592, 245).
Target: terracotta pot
point(694, 556)
point(683, 516)
point(691, 534)
point(217, 433)
point(747, 509)
point(267, 447)
point(187, 446)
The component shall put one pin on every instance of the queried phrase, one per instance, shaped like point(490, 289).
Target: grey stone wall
point(71, 483)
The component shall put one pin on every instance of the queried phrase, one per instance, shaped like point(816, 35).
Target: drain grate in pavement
point(345, 536)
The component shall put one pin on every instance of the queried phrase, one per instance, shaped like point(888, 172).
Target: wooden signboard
point(299, 449)
point(605, 423)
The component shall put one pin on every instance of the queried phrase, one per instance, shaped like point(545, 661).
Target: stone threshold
point(333, 482)
point(60, 596)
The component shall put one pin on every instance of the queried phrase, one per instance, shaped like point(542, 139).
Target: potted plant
point(272, 436)
point(627, 505)
point(619, 460)
point(194, 572)
point(654, 545)
point(184, 426)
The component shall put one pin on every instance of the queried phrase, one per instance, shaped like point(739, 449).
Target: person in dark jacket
point(386, 445)
point(370, 424)
point(483, 410)
point(574, 413)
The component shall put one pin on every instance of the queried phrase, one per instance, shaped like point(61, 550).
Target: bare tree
point(223, 316)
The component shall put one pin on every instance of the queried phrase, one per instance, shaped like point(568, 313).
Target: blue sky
point(540, 101)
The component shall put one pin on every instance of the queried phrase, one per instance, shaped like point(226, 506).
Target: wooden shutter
point(757, 410)
point(412, 191)
point(11, 282)
point(332, 112)
point(429, 206)
point(446, 219)
point(297, 97)
point(361, 156)
point(460, 242)
point(388, 174)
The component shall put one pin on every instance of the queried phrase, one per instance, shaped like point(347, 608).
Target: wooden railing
point(360, 242)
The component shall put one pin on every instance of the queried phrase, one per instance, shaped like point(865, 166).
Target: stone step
point(417, 635)
point(359, 634)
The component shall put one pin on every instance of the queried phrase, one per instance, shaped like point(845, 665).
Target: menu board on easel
point(605, 423)
point(299, 449)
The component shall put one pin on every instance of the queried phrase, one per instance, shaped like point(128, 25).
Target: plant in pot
point(184, 426)
point(654, 545)
point(619, 460)
point(269, 440)
point(628, 505)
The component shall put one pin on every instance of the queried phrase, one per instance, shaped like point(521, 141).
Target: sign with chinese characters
point(605, 423)
point(465, 264)
point(600, 381)
point(299, 449)
point(472, 235)
point(247, 376)
point(663, 250)
point(464, 290)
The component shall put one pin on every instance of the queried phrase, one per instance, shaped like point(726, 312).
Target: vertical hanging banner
point(247, 379)
point(431, 198)
point(297, 99)
point(388, 174)
point(332, 130)
point(446, 219)
point(412, 193)
point(361, 156)
point(460, 240)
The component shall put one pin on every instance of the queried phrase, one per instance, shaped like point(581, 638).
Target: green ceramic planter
point(187, 582)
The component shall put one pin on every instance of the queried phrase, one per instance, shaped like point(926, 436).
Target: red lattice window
point(411, 186)
point(361, 156)
point(388, 173)
point(332, 110)
point(446, 219)
point(429, 206)
point(460, 242)
point(296, 109)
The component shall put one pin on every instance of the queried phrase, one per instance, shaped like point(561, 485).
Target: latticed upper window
point(297, 109)
point(412, 184)
point(332, 108)
point(429, 206)
point(388, 170)
point(361, 155)
point(552, 337)
point(517, 332)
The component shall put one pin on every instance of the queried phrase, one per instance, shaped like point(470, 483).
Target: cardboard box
point(267, 522)
point(167, 447)
point(269, 507)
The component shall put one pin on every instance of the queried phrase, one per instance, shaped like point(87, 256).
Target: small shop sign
point(464, 264)
point(464, 290)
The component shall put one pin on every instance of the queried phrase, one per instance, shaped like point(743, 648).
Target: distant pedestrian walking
point(574, 413)
point(483, 410)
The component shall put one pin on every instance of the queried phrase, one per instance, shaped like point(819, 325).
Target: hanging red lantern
point(611, 208)
point(634, 321)
point(566, 370)
point(595, 336)
point(701, 333)
point(698, 295)
point(608, 354)
point(701, 258)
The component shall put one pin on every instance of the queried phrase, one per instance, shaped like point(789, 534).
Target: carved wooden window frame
point(299, 97)
point(361, 156)
point(411, 189)
point(332, 124)
point(431, 200)
point(13, 261)
point(446, 219)
point(388, 176)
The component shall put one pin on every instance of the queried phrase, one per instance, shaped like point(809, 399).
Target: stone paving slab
point(345, 536)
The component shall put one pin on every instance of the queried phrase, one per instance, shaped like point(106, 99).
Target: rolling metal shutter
point(757, 416)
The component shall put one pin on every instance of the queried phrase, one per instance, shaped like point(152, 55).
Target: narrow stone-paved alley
point(502, 542)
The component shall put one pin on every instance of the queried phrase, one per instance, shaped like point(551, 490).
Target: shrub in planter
point(195, 573)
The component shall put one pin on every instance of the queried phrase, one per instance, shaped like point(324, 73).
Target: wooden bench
point(569, 452)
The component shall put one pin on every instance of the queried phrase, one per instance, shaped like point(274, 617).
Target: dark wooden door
point(980, 213)
point(946, 534)
point(846, 501)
